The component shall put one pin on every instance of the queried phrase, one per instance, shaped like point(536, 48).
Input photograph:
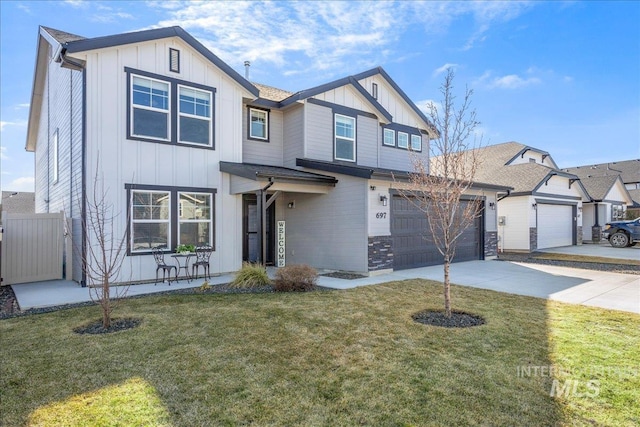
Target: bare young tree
point(105, 250)
point(440, 186)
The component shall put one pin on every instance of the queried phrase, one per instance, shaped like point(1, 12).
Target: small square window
point(403, 140)
point(389, 137)
point(416, 142)
point(174, 60)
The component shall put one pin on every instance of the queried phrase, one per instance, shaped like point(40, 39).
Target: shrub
point(251, 276)
point(295, 278)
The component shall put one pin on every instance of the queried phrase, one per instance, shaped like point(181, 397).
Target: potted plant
point(185, 249)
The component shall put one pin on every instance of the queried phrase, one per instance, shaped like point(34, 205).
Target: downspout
point(83, 213)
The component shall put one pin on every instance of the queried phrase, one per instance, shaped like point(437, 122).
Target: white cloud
point(25, 183)
point(509, 81)
point(3, 153)
point(442, 69)
point(76, 3)
point(427, 105)
point(307, 37)
point(5, 124)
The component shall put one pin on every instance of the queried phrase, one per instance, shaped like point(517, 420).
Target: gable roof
point(635, 196)
point(63, 43)
point(271, 93)
point(494, 167)
point(349, 80)
point(599, 186)
point(629, 170)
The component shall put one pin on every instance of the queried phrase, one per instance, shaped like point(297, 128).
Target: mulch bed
point(458, 319)
point(343, 275)
point(531, 259)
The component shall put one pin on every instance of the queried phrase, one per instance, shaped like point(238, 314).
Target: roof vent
point(247, 64)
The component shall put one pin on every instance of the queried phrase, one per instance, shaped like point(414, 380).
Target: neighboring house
point(544, 208)
point(17, 202)
point(191, 152)
point(614, 187)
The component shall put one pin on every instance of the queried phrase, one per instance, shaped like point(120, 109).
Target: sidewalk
point(575, 286)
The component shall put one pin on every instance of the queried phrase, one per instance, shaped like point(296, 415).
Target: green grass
point(324, 358)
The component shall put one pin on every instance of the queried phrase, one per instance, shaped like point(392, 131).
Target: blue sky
point(560, 76)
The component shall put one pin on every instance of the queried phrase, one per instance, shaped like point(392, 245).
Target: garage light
point(384, 200)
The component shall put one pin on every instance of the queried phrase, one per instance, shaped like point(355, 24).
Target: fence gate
point(32, 247)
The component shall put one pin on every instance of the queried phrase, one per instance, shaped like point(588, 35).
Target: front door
point(251, 227)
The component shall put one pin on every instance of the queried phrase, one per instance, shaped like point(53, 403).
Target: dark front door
point(251, 246)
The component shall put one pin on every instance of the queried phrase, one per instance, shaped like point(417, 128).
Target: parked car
point(622, 233)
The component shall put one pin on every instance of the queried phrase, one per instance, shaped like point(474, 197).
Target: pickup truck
point(622, 233)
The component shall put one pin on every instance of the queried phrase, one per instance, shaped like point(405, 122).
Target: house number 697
point(381, 215)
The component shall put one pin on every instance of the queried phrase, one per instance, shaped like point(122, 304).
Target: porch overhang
point(250, 177)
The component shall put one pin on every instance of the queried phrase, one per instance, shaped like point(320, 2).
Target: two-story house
point(191, 152)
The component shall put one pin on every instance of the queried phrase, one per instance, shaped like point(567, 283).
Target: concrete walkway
point(575, 286)
point(602, 250)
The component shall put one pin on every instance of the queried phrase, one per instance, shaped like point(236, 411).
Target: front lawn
point(325, 358)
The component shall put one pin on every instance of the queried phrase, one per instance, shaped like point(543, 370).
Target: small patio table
point(183, 264)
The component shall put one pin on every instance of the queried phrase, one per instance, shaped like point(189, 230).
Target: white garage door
point(555, 225)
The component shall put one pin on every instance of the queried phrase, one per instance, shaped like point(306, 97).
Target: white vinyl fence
point(32, 247)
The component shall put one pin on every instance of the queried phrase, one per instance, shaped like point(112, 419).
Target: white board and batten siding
point(123, 161)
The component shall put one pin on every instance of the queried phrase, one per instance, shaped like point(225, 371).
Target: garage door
point(412, 242)
point(555, 225)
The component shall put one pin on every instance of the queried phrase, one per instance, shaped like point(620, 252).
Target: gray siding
point(263, 152)
point(319, 132)
point(396, 158)
point(329, 230)
point(367, 131)
point(293, 132)
point(61, 111)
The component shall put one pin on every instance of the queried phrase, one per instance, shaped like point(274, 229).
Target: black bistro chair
point(158, 255)
point(203, 253)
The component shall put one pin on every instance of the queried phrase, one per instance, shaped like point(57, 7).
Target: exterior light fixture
point(384, 200)
point(292, 205)
point(492, 206)
point(534, 206)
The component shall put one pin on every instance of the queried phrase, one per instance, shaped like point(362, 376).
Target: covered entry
point(413, 245)
point(260, 187)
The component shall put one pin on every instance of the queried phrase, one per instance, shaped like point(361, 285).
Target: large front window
point(194, 225)
point(345, 138)
point(166, 217)
point(258, 124)
point(195, 116)
point(150, 220)
point(150, 110)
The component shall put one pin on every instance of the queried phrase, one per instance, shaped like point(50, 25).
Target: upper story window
point(416, 142)
point(345, 138)
point(168, 110)
point(195, 116)
point(403, 140)
point(389, 137)
point(258, 124)
point(150, 110)
point(56, 157)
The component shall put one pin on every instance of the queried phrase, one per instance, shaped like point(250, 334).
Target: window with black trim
point(167, 110)
point(374, 90)
point(169, 216)
point(258, 124)
point(403, 140)
point(345, 138)
point(416, 142)
point(389, 137)
point(150, 109)
point(56, 157)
